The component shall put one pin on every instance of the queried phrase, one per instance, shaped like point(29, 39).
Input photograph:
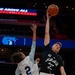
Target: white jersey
point(27, 67)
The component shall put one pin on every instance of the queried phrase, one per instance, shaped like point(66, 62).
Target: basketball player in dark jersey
point(51, 61)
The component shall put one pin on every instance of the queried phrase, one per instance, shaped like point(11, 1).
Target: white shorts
point(41, 73)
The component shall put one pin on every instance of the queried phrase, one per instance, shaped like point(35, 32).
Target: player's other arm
point(33, 46)
point(17, 71)
point(62, 70)
point(47, 29)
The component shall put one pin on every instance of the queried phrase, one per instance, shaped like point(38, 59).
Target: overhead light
point(72, 8)
point(33, 5)
point(20, 49)
point(66, 6)
point(45, 6)
point(43, 3)
point(2, 50)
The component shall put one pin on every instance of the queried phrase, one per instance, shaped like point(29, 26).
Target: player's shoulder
point(47, 47)
point(27, 58)
point(59, 57)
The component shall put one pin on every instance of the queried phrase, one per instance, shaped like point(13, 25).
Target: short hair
point(16, 57)
point(59, 43)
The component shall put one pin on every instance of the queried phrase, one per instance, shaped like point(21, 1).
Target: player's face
point(56, 48)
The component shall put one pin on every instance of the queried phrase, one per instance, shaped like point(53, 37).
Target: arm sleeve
point(32, 51)
point(17, 71)
point(61, 62)
point(46, 48)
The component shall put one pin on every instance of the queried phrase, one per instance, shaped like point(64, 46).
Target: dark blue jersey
point(50, 61)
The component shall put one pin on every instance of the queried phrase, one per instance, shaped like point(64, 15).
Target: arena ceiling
point(66, 15)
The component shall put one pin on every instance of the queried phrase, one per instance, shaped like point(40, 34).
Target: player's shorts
point(41, 73)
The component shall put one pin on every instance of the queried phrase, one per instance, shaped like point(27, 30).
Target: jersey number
point(28, 72)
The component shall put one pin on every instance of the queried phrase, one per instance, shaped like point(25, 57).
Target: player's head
point(56, 47)
point(17, 57)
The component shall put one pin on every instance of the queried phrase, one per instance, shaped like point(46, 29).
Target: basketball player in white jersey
point(51, 62)
point(26, 65)
point(37, 60)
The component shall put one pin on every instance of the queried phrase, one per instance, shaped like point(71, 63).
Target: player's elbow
point(46, 32)
point(62, 70)
point(63, 73)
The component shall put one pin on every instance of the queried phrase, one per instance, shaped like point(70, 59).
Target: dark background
point(64, 29)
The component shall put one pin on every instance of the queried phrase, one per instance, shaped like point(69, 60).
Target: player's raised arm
point(17, 71)
point(33, 46)
point(47, 29)
point(34, 28)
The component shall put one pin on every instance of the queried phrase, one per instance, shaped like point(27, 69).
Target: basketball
point(53, 9)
